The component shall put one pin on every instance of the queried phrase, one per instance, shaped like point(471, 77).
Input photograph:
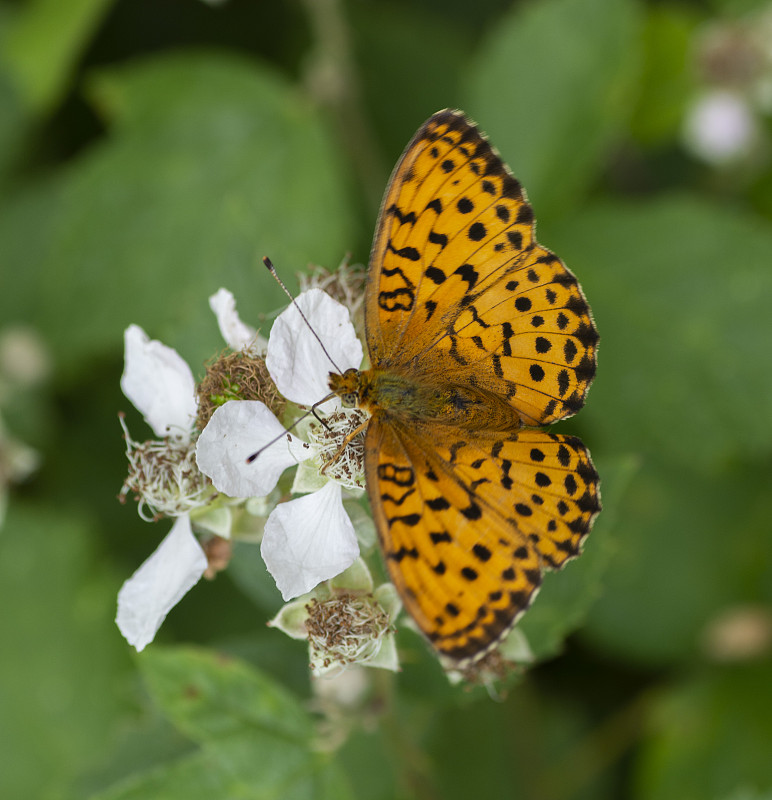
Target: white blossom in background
point(24, 364)
point(721, 127)
point(725, 124)
point(308, 539)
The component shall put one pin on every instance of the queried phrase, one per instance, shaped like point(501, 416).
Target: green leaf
point(213, 162)
point(44, 45)
point(13, 125)
point(249, 768)
point(688, 546)
point(668, 76)
point(429, 44)
point(679, 288)
point(63, 663)
point(710, 738)
point(209, 697)
point(553, 86)
point(256, 738)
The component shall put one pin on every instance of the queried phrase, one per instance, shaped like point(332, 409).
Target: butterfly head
point(347, 386)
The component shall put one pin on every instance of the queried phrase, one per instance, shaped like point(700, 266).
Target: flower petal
point(296, 360)
point(237, 334)
point(236, 430)
point(159, 584)
point(308, 540)
point(159, 383)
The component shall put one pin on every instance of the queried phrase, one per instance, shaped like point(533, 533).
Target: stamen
point(346, 629)
point(341, 461)
point(164, 477)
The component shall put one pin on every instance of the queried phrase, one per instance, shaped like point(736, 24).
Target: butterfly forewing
point(459, 287)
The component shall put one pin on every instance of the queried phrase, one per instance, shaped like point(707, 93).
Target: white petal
point(308, 540)
point(296, 360)
point(159, 584)
point(159, 383)
point(237, 334)
point(236, 431)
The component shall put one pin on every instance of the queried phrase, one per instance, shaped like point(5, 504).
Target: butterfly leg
point(346, 441)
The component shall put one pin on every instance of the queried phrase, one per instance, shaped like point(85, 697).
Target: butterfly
point(478, 337)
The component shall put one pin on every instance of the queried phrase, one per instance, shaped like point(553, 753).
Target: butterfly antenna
point(269, 264)
point(273, 441)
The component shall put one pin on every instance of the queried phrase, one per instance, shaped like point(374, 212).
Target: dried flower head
point(163, 477)
point(236, 376)
point(346, 628)
point(346, 285)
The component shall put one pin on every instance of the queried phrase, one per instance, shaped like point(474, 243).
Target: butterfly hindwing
point(462, 551)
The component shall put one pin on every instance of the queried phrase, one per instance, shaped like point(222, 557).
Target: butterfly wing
point(466, 526)
point(459, 287)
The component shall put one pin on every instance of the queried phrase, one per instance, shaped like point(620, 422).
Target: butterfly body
point(477, 337)
point(411, 399)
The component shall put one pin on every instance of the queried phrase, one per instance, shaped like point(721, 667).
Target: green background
point(153, 152)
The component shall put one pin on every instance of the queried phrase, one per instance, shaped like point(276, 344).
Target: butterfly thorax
point(393, 394)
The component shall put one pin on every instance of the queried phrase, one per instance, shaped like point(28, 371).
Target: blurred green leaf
point(679, 288)
point(45, 43)
point(710, 738)
point(688, 547)
point(213, 163)
point(63, 666)
point(429, 45)
point(247, 768)
point(668, 77)
point(209, 696)
point(736, 8)
point(13, 125)
point(553, 86)
point(256, 737)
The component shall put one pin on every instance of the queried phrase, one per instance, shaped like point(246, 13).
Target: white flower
point(309, 539)
point(346, 622)
point(720, 127)
point(161, 386)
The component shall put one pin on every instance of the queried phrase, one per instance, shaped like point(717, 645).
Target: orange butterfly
point(476, 335)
